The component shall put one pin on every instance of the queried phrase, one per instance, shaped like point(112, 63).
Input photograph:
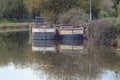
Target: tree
point(79, 17)
point(118, 10)
point(85, 5)
point(34, 7)
point(57, 7)
point(12, 10)
point(116, 3)
point(2, 6)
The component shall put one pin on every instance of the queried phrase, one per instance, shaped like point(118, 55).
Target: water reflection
point(44, 46)
point(70, 60)
point(69, 46)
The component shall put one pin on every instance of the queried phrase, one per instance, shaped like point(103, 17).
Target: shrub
point(73, 16)
point(103, 32)
point(106, 14)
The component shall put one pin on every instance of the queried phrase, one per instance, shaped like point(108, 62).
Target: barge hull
point(72, 37)
point(44, 36)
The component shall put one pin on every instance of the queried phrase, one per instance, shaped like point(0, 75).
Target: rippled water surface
point(24, 59)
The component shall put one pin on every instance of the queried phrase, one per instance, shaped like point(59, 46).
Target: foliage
point(103, 32)
point(57, 7)
point(20, 10)
point(103, 14)
point(79, 15)
point(116, 3)
point(13, 10)
point(33, 7)
point(106, 14)
point(26, 10)
point(118, 9)
point(85, 5)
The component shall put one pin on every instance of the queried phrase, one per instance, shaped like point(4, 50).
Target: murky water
point(25, 59)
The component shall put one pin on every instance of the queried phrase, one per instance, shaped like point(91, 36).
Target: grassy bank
point(13, 30)
point(4, 24)
point(13, 27)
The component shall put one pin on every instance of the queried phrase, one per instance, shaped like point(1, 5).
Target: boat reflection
point(69, 46)
point(44, 46)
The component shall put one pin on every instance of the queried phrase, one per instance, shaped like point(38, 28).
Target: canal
point(24, 59)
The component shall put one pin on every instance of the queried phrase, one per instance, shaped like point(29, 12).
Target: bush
point(103, 32)
point(106, 14)
point(73, 16)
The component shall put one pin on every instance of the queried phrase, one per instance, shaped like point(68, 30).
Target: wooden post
point(30, 34)
point(72, 33)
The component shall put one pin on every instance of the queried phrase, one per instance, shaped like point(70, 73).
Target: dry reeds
point(102, 32)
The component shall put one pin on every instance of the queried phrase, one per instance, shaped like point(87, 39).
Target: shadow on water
point(58, 60)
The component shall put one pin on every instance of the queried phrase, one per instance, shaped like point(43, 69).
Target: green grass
point(14, 30)
point(9, 24)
